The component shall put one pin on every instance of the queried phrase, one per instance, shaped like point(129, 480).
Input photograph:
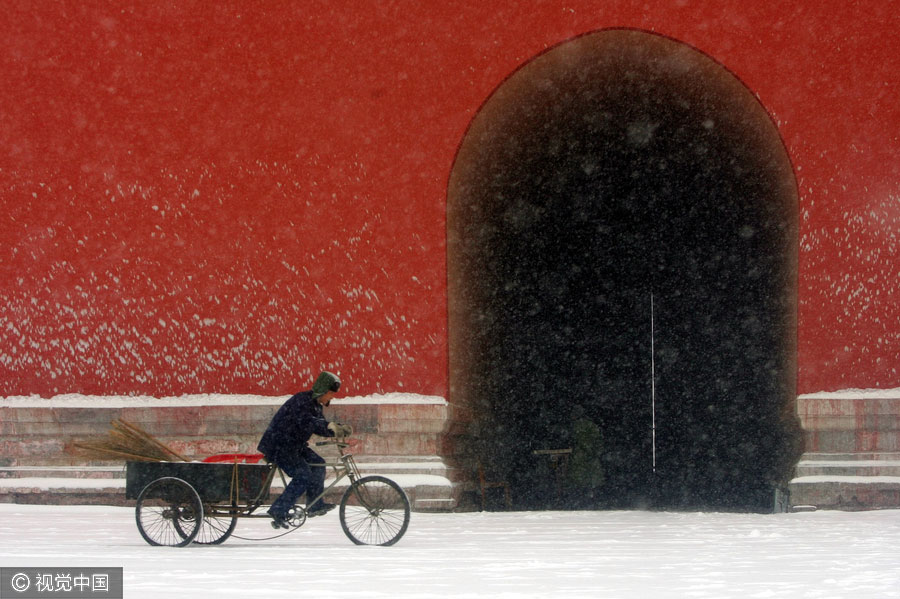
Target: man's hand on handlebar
point(340, 430)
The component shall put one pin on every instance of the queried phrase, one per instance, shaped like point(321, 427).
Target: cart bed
point(211, 481)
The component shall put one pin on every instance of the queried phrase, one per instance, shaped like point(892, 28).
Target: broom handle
point(147, 437)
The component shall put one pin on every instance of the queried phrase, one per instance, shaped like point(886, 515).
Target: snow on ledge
point(871, 480)
point(390, 398)
point(24, 485)
point(853, 394)
point(117, 401)
point(48, 483)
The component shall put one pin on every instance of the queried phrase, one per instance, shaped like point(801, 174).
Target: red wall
point(227, 196)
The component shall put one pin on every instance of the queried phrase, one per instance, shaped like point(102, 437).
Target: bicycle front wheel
point(374, 511)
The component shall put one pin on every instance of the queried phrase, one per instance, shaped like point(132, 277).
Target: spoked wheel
point(169, 512)
point(374, 511)
point(215, 529)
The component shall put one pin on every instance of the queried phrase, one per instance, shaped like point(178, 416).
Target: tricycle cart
point(179, 503)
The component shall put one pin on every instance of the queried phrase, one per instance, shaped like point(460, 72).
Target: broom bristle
point(129, 442)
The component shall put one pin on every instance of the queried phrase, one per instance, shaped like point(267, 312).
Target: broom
point(127, 441)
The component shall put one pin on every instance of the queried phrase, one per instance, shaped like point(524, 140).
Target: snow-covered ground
point(514, 554)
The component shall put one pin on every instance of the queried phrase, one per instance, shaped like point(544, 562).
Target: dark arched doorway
point(614, 168)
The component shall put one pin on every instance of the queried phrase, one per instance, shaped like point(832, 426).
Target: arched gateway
point(622, 229)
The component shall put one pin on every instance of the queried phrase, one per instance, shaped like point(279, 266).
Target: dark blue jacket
point(293, 424)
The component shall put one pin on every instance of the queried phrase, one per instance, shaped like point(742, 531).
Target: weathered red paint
point(218, 197)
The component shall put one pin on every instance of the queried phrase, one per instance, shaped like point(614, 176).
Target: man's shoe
point(278, 520)
point(320, 510)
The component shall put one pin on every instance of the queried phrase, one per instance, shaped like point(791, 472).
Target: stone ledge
point(39, 432)
point(848, 467)
point(846, 492)
point(399, 435)
point(104, 472)
point(425, 491)
point(851, 421)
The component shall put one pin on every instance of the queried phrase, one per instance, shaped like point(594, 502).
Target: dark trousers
point(307, 475)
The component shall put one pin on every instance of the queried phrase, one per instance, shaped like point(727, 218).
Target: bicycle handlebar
point(341, 444)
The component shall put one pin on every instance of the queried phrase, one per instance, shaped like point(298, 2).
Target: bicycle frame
point(343, 468)
point(374, 510)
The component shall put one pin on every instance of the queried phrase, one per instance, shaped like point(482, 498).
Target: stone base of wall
point(852, 439)
point(852, 459)
point(403, 438)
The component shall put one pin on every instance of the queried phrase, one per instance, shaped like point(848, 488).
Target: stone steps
point(847, 481)
point(39, 463)
point(852, 459)
point(424, 495)
point(869, 464)
point(380, 465)
point(92, 472)
point(426, 480)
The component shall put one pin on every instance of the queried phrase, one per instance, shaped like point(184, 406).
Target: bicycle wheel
point(374, 511)
point(215, 529)
point(169, 512)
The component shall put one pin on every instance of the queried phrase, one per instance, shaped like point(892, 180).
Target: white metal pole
point(653, 379)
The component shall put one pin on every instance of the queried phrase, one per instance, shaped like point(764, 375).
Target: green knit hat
point(324, 383)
